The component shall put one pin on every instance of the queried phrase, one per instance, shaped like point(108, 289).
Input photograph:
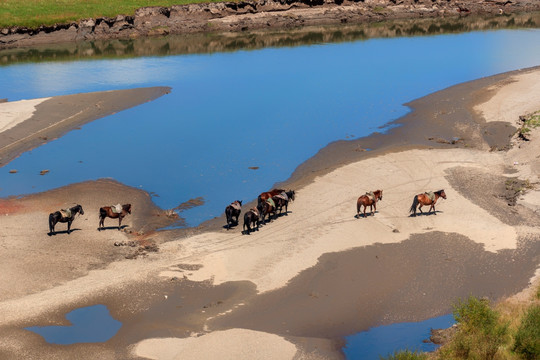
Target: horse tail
point(102, 213)
point(414, 204)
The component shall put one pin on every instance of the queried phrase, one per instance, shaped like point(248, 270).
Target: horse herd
point(428, 198)
point(68, 215)
point(268, 204)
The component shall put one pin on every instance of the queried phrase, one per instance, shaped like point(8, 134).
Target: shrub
point(481, 334)
point(406, 355)
point(527, 339)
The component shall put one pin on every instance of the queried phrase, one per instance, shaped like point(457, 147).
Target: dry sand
point(224, 293)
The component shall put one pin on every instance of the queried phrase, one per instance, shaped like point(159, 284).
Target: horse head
point(379, 194)
point(290, 194)
point(79, 209)
point(441, 194)
point(127, 208)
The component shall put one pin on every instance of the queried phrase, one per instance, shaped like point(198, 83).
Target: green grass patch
point(33, 13)
point(527, 338)
point(530, 122)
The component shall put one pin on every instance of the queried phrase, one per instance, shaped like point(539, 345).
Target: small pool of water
point(90, 324)
point(385, 340)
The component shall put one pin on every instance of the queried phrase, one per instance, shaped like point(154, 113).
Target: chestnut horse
point(251, 218)
point(267, 195)
point(107, 211)
point(233, 210)
point(368, 199)
point(424, 199)
point(64, 216)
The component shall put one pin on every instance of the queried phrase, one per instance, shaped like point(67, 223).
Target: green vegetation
point(33, 13)
point(481, 332)
point(530, 122)
point(527, 339)
point(509, 331)
point(407, 355)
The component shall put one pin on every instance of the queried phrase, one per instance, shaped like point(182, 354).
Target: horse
point(368, 199)
point(107, 211)
point(281, 201)
point(424, 199)
point(251, 218)
point(267, 195)
point(233, 210)
point(64, 216)
point(267, 208)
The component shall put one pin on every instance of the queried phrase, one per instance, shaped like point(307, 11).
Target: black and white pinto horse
point(233, 211)
point(63, 216)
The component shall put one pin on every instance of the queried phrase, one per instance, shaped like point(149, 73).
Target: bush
point(406, 355)
point(527, 339)
point(481, 334)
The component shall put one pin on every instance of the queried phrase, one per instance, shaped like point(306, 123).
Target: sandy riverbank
point(304, 281)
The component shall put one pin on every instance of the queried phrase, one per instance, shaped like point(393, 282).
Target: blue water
point(385, 340)
point(88, 325)
point(273, 108)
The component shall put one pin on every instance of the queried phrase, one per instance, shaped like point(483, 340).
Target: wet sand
point(305, 280)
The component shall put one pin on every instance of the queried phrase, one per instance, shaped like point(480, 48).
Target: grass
point(33, 13)
point(508, 331)
point(530, 122)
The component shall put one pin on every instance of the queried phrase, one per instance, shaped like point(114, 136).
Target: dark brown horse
point(267, 207)
point(282, 200)
point(108, 211)
point(63, 216)
point(368, 199)
point(426, 199)
point(233, 210)
point(251, 218)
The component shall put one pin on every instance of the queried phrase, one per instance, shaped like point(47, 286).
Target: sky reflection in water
point(271, 108)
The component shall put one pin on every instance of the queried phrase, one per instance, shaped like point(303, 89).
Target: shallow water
point(271, 108)
point(386, 340)
point(88, 325)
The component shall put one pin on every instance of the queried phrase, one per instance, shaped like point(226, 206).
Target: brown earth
point(253, 15)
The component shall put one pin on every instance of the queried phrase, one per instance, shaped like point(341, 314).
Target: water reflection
point(226, 42)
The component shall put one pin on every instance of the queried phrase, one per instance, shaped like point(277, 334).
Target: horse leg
point(120, 222)
point(375, 207)
point(420, 208)
point(365, 208)
point(69, 227)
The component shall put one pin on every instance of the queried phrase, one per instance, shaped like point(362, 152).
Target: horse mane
point(126, 206)
point(439, 192)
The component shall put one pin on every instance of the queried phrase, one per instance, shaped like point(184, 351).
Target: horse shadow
point(426, 213)
point(366, 216)
point(233, 224)
point(112, 228)
point(62, 232)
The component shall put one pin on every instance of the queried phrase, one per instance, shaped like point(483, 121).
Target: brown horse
point(267, 208)
point(368, 199)
point(107, 211)
point(64, 215)
point(426, 199)
point(251, 218)
point(267, 195)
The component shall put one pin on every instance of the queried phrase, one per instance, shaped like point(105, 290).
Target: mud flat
point(304, 281)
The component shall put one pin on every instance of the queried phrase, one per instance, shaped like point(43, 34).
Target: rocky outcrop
point(252, 15)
